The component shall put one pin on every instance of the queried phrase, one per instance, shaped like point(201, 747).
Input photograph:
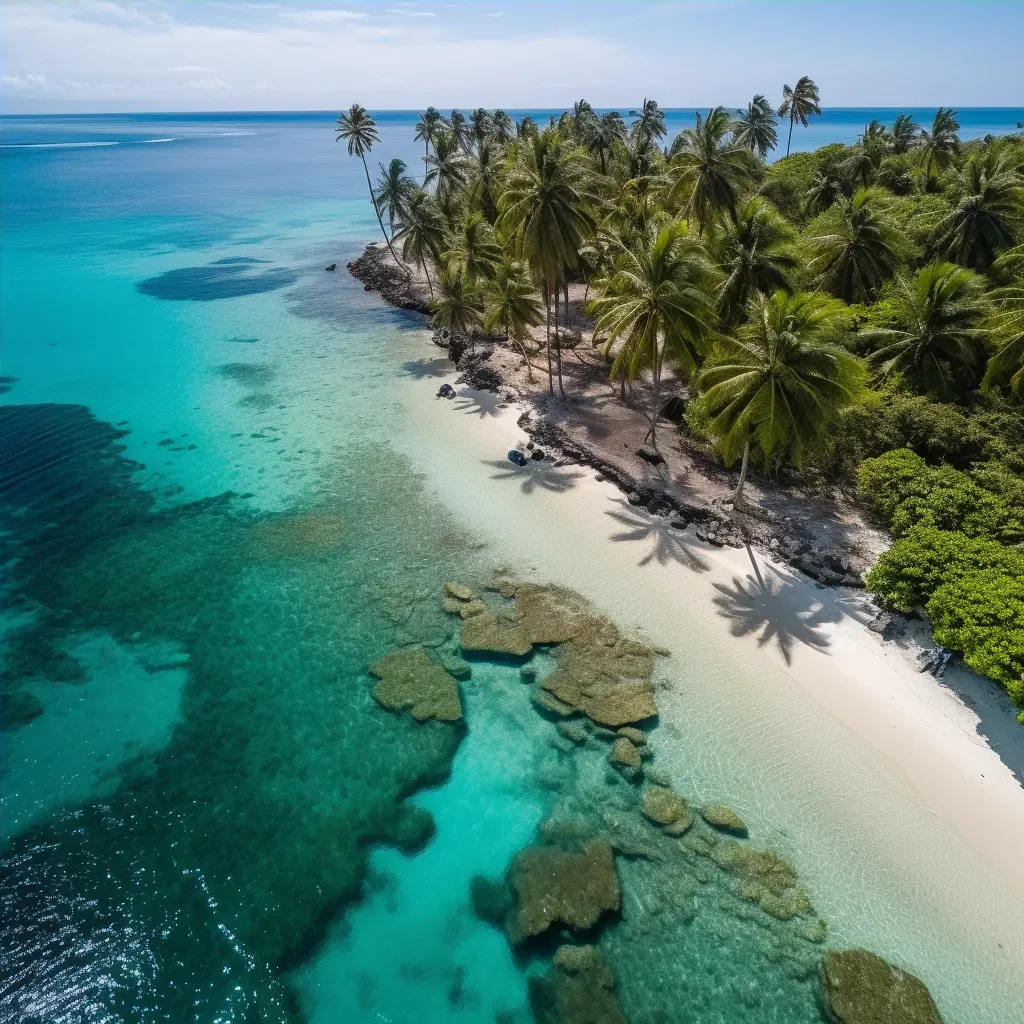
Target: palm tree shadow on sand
point(535, 476)
point(765, 607)
point(667, 543)
point(478, 403)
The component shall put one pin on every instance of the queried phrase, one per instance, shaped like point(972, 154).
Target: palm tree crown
point(512, 306)
point(602, 133)
point(447, 164)
point(942, 143)
point(649, 124)
point(904, 130)
point(394, 187)
point(422, 232)
point(503, 128)
point(458, 305)
point(754, 128)
point(427, 127)
point(798, 104)
point(1007, 323)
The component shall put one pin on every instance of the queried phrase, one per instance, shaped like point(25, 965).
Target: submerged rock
point(487, 634)
point(556, 887)
point(490, 899)
point(724, 819)
point(579, 989)
point(663, 806)
point(858, 987)
point(635, 736)
point(624, 753)
point(412, 829)
point(459, 592)
point(409, 679)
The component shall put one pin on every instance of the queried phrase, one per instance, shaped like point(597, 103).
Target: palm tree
point(422, 232)
point(503, 128)
point(512, 307)
point(649, 124)
point(711, 168)
point(798, 104)
point(942, 143)
point(458, 306)
point(526, 128)
point(989, 205)
point(479, 127)
point(602, 133)
point(777, 384)
point(459, 129)
point(904, 131)
point(358, 130)
point(394, 187)
point(546, 210)
point(656, 302)
point(473, 250)
point(757, 255)
point(828, 186)
point(754, 128)
point(935, 345)
point(447, 164)
point(1006, 367)
point(863, 252)
point(582, 119)
point(427, 127)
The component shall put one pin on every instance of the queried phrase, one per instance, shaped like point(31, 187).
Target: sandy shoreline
point(783, 703)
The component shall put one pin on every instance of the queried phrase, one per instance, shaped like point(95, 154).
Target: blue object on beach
point(517, 457)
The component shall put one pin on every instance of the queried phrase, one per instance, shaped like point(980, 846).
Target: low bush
point(885, 482)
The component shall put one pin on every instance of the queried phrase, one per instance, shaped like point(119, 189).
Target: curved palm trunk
point(426, 158)
point(792, 121)
point(737, 496)
point(430, 284)
point(547, 304)
point(380, 220)
point(558, 346)
point(522, 351)
point(655, 395)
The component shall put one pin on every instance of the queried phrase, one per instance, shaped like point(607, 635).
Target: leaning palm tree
point(601, 135)
point(799, 104)
point(864, 250)
point(545, 210)
point(427, 127)
point(458, 305)
point(1006, 367)
point(935, 345)
point(503, 128)
point(473, 250)
point(459, 129)
point(711, 168)
point(657, 304)
point(447, 165)
point(357, 129)
point(422, 232)
point(512, 307)
point(649, 124)
point(754, 128)
point(526, 128)
point(989, 195)
point(479, 128)
point(394, 187)
point(904, 131)
point(757, 255)
point(777, 385)
point(942, 143)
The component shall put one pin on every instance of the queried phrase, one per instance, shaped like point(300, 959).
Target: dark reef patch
point(6, 383)
point(223, 279)
point(249, 375)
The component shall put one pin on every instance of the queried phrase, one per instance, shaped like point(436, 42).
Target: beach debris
point(579, 989)
point(445, 391)
point(650, 456)
point(858, 987)
point(516, 457)
point(331, 266)
point(664, 807)
point(724, 819)
point(408, 679)
point(557, 887)
point(624, 753)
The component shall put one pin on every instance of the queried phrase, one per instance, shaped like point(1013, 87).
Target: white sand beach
point(875, 777)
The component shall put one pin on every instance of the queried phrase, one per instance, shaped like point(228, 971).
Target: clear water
point(216, 514)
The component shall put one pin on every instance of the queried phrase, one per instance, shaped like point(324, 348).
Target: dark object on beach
point(333, 266)
point(648, 455)
point(537, 455)
point(517, 457)
point(674, 410)
point(446, 391)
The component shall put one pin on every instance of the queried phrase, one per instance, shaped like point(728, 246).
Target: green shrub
point(910, 572)
point(953, 501)
point(884, 483)
point(981, 614)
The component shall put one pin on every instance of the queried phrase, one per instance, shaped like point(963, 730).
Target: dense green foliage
point(850, 314)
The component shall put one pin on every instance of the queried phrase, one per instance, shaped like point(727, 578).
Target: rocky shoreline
point(785, 537)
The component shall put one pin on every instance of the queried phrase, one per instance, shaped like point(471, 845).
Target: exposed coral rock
point(578, 990)
point(549, 702)
point(486, 633)
point(409, 679)
point(680, 826)
point(663, 806)
point(556, 887)
point(723, 818)
point(624, 753)
point(459, 592)
point(858, 987)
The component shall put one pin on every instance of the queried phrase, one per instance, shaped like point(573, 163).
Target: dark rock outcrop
point(378, 272)
point(858, 987)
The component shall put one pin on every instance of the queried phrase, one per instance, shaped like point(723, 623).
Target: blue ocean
point(226, 491)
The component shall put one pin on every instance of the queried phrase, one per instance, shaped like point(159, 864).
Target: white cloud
point(189, 67)
point(317, 16)
point(29, 81)
point(209, 84)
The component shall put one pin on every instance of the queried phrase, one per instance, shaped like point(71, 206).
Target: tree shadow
point(767, 607)
point(535, 476)
point(478, 403)
point(421, 369)
point(667, 542)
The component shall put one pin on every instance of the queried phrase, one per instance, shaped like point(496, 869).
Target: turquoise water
point(208, 537)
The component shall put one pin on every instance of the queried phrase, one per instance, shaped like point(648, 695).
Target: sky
point(183, 55)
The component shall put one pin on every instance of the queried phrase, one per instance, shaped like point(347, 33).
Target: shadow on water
point(667, 543)
point(766, 607)
point(223, 279)
point(6, 383)
point(535, 476)
point(422, 369)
